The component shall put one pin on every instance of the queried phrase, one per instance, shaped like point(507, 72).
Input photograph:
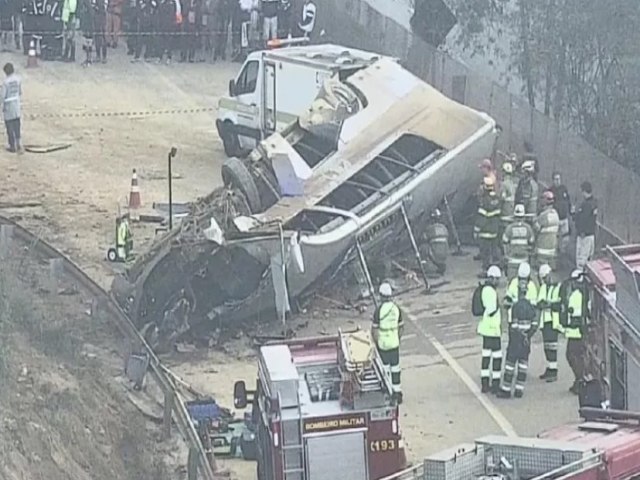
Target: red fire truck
point(606, 446)
point(613, 343)
point(323, 410)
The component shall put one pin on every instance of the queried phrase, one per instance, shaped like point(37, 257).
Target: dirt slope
point(64, 414)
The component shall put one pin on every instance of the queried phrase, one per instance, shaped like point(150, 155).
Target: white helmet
point(494, 272)
point(385, 290)
point(577, 274)
point(519, 211)
point(544, 270)
point(528, 166)
point(524, 270)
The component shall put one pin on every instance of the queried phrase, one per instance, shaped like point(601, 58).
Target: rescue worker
point(517, 240)
point(546, 226)
point(522, 326)
point(573, 319)
point(527, 191)
point(437, 244)
point(585, 219)
point(507, 193)
point(488, 225)
point(145, 13)
point(69, 20)
point(124, 240)
point(562, 204)
point(523, 280)
point(490, 329)
point(549, 304)
point(387, 331)
point(308, 19)
point(486, 167)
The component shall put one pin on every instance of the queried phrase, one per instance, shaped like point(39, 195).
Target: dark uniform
point(167, 28)
point(437, 247)
point(521, 329)
point(146, 14)
point(100, 28)
point(488, 227)
point(191, 23)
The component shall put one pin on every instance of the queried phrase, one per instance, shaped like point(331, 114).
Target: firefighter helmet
point(489, 182)
point(528, 166)
point(494, 272)
point(385, 290)
point(544, 270)
point(519, 211)
point(577, 274)
point(507, 167)
point(524, 270)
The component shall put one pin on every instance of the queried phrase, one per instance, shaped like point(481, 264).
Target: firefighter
point(546, 226)
point(124, 240)
point(523, 280)
point(387, 330)
point(549, 306)
point(573, 319)
point(507, 193)
point(518, 239)
point(527, 191)
point(437, 244)
point(522, 326)
point(488, 224)
point(490, 329)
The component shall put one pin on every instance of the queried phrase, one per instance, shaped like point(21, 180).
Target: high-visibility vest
point(123, 234)
point(547, 226)
point(576, 319)
point(388, 326)
point(551, 295)
point(512, 293)
point(490, 324)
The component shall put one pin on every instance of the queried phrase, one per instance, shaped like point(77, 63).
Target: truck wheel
point(230, 141)
point(236, 174)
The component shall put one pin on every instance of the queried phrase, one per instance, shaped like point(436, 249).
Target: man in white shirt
point(11, 105)
point(308, 18)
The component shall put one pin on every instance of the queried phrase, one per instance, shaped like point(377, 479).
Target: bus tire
point(236, 175)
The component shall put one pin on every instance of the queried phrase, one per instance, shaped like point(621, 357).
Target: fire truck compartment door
point(342, 455)
point(633, 384)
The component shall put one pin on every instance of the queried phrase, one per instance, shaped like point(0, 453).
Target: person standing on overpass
point(387, 331)
point(586, 218)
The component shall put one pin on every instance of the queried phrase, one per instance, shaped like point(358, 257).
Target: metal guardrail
point(174, 406)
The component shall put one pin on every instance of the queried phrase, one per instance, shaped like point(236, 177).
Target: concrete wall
point(355, 24)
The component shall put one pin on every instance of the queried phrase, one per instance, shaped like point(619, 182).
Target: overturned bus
point(371, 157)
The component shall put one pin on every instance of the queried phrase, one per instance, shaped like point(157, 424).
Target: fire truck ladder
point(362, 359)
point(293, 446)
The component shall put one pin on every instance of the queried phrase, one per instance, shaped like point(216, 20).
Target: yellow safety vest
point(575, 303)
point(122, 234)
point(388, 326)
point(490, 324)
point(512, 294)
point(551, 295)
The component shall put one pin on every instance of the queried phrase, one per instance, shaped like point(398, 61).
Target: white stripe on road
point(497, 416)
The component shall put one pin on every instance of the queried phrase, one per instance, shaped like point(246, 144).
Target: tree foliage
point(575, 58)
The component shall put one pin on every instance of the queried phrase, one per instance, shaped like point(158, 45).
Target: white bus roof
point(326, 56)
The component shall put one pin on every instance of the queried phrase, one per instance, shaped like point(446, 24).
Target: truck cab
point(273, 87)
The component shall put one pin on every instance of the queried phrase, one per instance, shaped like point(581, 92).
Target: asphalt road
point(441, 375)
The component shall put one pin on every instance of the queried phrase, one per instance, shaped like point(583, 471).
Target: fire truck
point(605, 446)
point(613, 339)
point(323, 409)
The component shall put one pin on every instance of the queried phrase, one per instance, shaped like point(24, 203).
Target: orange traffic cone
point(134, 198)
point(32, 59)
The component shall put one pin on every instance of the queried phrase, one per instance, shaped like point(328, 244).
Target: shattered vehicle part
point(378, 140)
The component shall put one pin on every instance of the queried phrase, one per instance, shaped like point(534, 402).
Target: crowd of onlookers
point(159, 30)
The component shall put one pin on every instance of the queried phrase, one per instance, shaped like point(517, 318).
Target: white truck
point(274, 87)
